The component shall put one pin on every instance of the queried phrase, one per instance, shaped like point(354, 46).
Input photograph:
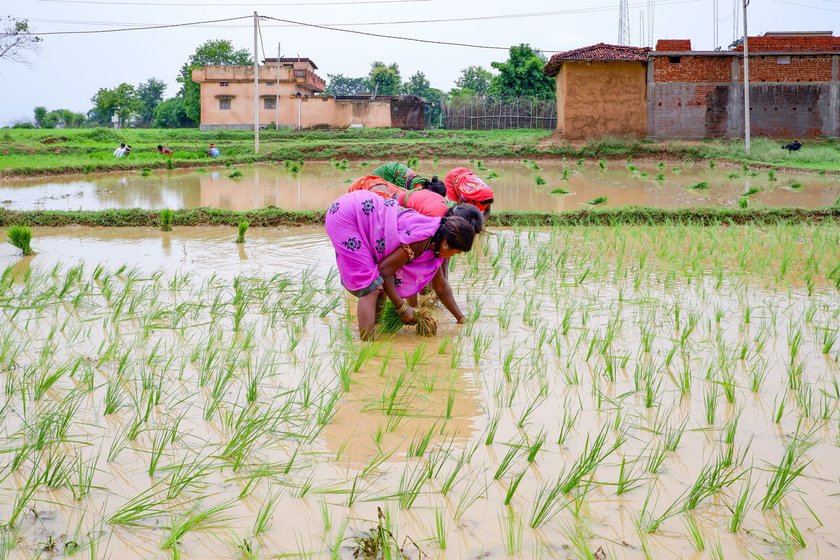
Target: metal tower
point(623, 23)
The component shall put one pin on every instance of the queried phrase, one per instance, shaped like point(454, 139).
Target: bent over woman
point(463, 185)
point(381, 248)
point(404, 177)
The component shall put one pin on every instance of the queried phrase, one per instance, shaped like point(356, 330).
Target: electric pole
point(256, 87)
point(746, 84)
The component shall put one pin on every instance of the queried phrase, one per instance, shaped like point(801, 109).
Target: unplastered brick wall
point(692, 69)
point(788, 43)
point(789, 68)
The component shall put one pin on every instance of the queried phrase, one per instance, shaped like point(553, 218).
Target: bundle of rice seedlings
point(390, 321)
point(20, 237)
point(426, 322)
point(166, 220)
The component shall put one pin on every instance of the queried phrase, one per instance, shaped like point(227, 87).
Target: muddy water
point(566, 323)
point(514, 183)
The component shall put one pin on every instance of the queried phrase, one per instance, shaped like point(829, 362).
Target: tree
point(40, 116)
point(420, 86)
point(215, 52)
point(149, 94)
point(172, 114)
point(522, 74)
point(339, 84)
point(16, 40)
point(474, 80)
point(121, 101)
point(384, 80)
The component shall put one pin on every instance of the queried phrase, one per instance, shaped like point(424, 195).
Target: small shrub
point(242, 227)
point(20, 237)
point(166, 220)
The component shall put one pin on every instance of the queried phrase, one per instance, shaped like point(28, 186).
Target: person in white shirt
point(120, 152)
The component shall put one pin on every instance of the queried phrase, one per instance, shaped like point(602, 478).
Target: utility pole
point(746, 84)
point(715, 12)
point(277, 98)
point(256, 87)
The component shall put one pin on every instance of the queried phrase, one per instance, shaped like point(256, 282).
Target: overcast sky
point(70, 68)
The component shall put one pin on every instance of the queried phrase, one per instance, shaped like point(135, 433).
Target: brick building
point(794, 89)
point(600, 91)
point(291, 94)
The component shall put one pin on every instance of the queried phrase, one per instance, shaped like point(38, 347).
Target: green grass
point(40, 152)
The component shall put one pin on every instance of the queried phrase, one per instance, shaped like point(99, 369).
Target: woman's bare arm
point(444, 292)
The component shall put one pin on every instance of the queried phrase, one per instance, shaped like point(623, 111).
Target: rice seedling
point(739, 509)
point(795, 186)
point(695, 533)
point(559, 190)
point(771, 175)
point(751, 191)
point(241, 228)
point(413, 161)
point(511, 526)
point(166, 217)
point(191, 519)
point(235, 174)
point(602, 165)
point(539, 181)
point(597, 201)
point(790, 467)
point(21, 238)
point(701, 186)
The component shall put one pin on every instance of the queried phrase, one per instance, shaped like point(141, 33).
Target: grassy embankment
point(268, 217)
point(41, 152)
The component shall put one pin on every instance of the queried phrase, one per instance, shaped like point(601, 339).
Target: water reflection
point(515, 185)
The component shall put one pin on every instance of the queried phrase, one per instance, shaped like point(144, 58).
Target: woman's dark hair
point(456, 231)
point(470, 213)
point(160, 147)
point(436, 186)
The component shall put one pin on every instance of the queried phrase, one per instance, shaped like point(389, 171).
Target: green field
point(38, 152)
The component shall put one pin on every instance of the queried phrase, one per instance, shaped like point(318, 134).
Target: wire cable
point(142, 28)
point(228, 4)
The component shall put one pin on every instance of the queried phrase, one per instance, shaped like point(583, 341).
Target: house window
point(269, 102)
point(224, 84)
point(783, 60)
point(674, 59)
point(300, 73)
point(224, 103)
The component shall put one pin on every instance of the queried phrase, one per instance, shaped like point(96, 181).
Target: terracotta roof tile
point(597, 53)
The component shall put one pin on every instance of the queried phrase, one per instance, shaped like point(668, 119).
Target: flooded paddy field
point(518, 185)
point(625, 392)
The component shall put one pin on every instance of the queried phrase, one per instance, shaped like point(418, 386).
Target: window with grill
point(224, 103)
point(269, 103)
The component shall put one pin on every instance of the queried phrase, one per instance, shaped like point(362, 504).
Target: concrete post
point(834, 98)
point(651, 90)
point(735, 110)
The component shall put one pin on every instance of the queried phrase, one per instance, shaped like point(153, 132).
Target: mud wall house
point(291, 95)
point(601, 91)
point(794, 88)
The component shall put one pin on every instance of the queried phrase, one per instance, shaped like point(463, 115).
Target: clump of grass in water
point(235, 174)
point(734, 176)
point(166, 220)
point(660, 177)
point(598, 201)
point(539, 180)
point(492, 175)
point(242, 227)
point(412, 162)
point(293, 166)
point(751, 191)
point(20, 237)
point(701, 186)
point(169, 164)
point(560, 191)
point(479, 165)
point(200, 170)
point(712, 164)
point(602, 164)
point(771, 176)
point(795, 186)
point(743, 202)
point(145, 172)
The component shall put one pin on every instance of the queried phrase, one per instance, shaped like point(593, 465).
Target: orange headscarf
point(376, 185)
point(463, 184)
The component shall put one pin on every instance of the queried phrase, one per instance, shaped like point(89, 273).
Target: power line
point(205, 4)
point(807, 5)
point(144, 28)
point(592, 9)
